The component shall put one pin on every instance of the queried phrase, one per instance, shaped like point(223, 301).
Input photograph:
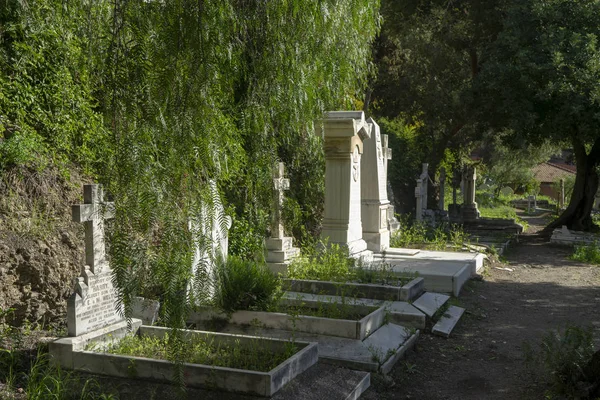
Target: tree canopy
point(542, 82)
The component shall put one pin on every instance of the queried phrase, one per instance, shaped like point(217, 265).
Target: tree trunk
point(577, 216)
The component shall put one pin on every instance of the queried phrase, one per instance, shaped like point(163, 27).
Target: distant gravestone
point(94, 303)
point(145, 309)
point(280, 250)
point(507, 191)
point(469, 211)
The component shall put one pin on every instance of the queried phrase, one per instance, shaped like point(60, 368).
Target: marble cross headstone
point(280, 249)
point(92, 214)
point(94, 303)
point(280, 184)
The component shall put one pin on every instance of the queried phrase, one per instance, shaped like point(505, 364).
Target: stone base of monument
point(252, 382)
point(377, 241)
point(469, 212)
point(280, 253)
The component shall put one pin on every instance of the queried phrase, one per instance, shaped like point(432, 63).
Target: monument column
point(343, 133)
point(375, 203)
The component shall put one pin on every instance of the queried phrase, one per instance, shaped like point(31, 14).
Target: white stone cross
point(387, 152)
point(92, 214)
point(280, 183)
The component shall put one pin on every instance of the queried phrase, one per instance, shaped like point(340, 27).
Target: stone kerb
point(93, 305)
point(375, 203)
point(344, 133)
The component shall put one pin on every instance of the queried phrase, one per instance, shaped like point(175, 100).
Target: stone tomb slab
point(349, 353)
point(439, 276)
point(407, 292)
point(475, 260)
point(400, 312)
point(264, 384)
point(353, 329)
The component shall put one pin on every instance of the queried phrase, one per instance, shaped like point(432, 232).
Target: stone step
point(400, 312)
point(430, 302)
point(383, 344)
point(448, 321)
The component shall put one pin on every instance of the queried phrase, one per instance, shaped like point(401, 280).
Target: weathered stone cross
point(387, 152)
point(280, 183)
point(92, 214)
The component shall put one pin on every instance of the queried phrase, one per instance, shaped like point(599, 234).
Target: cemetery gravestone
point(93, 305)
point(344, 133)
point(280, 250)
point(442, 199)
point(375, 203)
point(469, 211)
point(393, 223)
point(562, 194)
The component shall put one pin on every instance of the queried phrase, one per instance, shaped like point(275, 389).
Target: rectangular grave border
point(408, 292)
point(70, 353)
point(352, 329)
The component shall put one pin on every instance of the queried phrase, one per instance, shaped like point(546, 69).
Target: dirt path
point(483, 359)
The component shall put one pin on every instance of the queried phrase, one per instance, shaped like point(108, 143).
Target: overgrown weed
point(588, 253)
point(562, 360)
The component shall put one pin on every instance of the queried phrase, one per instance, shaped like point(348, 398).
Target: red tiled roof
point(552, 172)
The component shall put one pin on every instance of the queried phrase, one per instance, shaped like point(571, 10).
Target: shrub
point(562, 360)
point(245, 285)
point(320, 261)
point(589, 253)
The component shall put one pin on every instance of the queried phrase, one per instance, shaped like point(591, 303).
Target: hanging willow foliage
point(199, 90)
point(158, 97)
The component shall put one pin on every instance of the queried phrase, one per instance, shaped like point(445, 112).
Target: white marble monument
point(280, 250)
point(344, 133)
point(210, 230)
point(94, 303)
point(375, 203)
